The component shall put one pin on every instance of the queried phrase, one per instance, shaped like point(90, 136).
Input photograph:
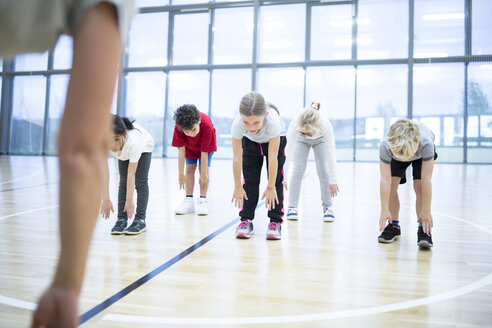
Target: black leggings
point(141, 185)
point(253, 154)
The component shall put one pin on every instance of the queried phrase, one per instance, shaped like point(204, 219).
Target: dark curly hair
point(186, 116)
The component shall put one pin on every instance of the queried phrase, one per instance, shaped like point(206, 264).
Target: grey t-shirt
point(35, 25)
point(273, 126)
point(425, 150)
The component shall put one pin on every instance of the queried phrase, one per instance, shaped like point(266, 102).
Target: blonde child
point(258, 132)
point(308, 131)
point(408, 143)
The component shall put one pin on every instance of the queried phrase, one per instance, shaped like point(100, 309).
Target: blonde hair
point(253, 104)
point(404, 138)
point(309, 118)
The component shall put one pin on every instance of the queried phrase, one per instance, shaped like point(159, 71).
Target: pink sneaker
point(274, 231)
point(245, 229)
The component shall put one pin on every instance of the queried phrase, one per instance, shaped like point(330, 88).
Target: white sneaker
point(328, 215)
point(202, 206)
point(188, 206)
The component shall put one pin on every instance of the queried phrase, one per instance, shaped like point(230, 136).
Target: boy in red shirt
point(194, 135)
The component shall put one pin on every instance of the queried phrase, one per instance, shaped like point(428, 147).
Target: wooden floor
point(318, 275)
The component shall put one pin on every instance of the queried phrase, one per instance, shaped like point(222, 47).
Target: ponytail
point(122, 124)
point(270, 105)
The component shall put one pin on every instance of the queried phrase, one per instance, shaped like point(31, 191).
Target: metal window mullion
point(6, 111)
point(411, 29)
point(46, 124)
point(210, 58)
point(255, 45)
point(468, 55)
point(355, 14)
point(170, 42)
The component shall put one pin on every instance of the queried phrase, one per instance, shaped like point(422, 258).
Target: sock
point(191, 196)
point(203, 196)
point(396, 223)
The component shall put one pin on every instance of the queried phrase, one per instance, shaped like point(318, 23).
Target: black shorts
point(398, 168)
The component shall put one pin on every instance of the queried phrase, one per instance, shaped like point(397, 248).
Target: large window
point(145, 102)
point(26, 132)
point(438, 95)
point(382, 29)
point(333, 87)
point(479, 113)
point(190, 39)
point(228, 87)
point(481, 36)
point(282, 33)
point(331, 32)
point(63, 53)
point(148, 40)
point(381, 100)
point(233, 36)
point(357, 58)
point(439, 28)
point(185, 87)
point(58, 94)
point(284, 88)
point(32, 62)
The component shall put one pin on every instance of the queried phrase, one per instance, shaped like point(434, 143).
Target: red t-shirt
point(205, 140)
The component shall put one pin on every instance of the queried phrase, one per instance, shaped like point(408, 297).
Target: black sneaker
point(390, 234)
point(423, 239)
point(119, 227)
point(137, 227)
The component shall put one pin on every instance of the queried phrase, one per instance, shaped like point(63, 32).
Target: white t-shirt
point(138, 141)
point(273, 126)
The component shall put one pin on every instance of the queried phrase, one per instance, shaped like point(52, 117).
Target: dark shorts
point(398, 169)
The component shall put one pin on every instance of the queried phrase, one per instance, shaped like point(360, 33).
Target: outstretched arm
point(83, 144)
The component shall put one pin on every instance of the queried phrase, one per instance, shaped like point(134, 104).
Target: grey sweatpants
point(300, 156)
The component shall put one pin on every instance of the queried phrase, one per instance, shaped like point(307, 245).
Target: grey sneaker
point(138, 226)
point(119, 227)
point(292, 213)
point(245, 229)
point(274, 231)
point(328, 215)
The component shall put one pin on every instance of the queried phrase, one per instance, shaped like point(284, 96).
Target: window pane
point(382, 29)
point(148, 40)
point(438, 103)
point(1, 64)
point(381, 100)
point(331, 32)
point(439, 28)
point(151, 3)
point(145, 101)
point(185, 87)
point(282, 33)
point(480, 112)
point(334, 88)
point(481, 27)
point(233, 36)
point(63, 53)
point(190, 39)
point(228, 87)
point(58, 94)
point(283, 87)
point(26, 132)
point(31, 62)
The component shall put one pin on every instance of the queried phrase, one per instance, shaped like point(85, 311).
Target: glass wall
point(357, 58)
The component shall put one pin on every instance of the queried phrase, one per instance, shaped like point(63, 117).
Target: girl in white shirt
point(132, 145)
point(308, 131)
